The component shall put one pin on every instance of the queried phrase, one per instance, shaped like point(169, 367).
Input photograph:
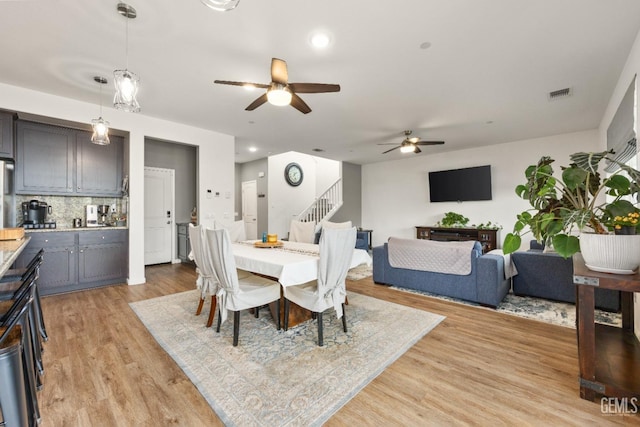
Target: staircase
point(324, 206)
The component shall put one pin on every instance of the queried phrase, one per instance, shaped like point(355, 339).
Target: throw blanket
point(431, 255)
point(509, 267)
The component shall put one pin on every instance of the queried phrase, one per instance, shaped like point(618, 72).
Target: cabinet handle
point(46, 240)
point(103, 237)
point(81, 250)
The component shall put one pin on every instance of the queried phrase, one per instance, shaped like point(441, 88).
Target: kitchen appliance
point(77, 222)
point(103, 214)
point(92, 216)
point(34, 215)
point(7, 195)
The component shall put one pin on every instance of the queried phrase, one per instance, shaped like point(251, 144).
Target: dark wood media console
point(488, 237)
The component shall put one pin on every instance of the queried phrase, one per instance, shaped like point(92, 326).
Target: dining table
point(291, 263)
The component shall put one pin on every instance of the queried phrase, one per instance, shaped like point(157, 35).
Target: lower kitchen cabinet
point(184, 244)
point(78, 260)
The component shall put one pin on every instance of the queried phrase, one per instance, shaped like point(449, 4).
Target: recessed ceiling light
point(250, 88)
point(425, 45)
point(320, 40)
point(253, 149)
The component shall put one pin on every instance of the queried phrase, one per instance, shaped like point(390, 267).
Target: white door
point(158, 215)
point(250, 209)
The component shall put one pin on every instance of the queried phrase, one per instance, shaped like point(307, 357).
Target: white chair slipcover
point(237, 294)
point(329, 290)
point(207, 281)
point(236, 231)
point(339, 225)
point(304, 232)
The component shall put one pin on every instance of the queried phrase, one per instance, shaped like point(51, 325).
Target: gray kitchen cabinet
point(78, 260)
point(184, 244)
point(98, 167)
point(53, 160)
point(102, 255)
point(6, 135)
point(45, 158)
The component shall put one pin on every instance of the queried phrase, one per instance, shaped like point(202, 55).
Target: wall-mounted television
point(458, 185)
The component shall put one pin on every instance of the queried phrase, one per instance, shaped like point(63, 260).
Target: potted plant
point(452, 219)
point(575, 203)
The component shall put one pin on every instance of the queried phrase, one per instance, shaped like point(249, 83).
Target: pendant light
point(100, 126)
point(221, 5)
point(125, 81)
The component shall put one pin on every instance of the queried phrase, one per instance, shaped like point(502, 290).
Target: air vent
point(560, 93)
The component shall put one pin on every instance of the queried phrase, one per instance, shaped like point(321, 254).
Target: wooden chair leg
point(278, 311)
point(200, 304)
point(286, 314)
point(219, 319)
point(320, 337)
point(236, 327)
point(212, 311)
point(344, 318)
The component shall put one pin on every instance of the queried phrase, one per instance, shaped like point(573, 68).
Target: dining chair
point(329, 290)
point(303, 232)
point(237, 294)
point(207, 281)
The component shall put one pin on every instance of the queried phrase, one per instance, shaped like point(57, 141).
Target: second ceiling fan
point(280, 91)
point(410, 144)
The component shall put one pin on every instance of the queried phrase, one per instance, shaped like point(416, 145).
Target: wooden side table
point(609, 357)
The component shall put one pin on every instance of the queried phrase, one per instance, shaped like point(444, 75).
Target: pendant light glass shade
point(126, 84)
point(221, 5)
point(100, 126)
point(100, 131)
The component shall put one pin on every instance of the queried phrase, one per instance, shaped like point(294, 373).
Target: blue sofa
point(549, 276)
point(485, 284)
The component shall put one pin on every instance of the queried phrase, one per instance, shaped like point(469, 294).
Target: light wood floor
point(477, 367)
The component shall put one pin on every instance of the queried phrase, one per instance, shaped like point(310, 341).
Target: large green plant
point(559, 207)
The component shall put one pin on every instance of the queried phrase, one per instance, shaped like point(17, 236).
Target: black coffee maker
point(34, 214)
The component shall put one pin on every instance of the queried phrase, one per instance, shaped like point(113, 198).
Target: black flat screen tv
point(458, 185)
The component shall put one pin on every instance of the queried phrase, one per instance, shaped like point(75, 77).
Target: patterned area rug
point(360, 272)
point(277, 378)
point(557, 313)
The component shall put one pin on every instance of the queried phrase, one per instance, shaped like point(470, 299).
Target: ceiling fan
point(410, 145)
point(280, 91)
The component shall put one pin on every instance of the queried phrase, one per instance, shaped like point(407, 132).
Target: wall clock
point(293, 174)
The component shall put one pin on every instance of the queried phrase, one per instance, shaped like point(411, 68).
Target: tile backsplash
point(65, 208)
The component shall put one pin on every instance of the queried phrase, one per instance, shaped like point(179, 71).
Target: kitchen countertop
point(9, 251)
point(50, 230)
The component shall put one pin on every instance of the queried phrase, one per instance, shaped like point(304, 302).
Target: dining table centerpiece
point(580, 211)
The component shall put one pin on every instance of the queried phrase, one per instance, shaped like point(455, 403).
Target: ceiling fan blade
point(314, 87)
point(226, 82)
point(417, 150)
point(299, 104)
point(258, 102)
point(279, 72)
point(394, 148)
point(429, 143)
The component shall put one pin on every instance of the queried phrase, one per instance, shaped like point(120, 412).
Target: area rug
point(360, 272)
point(277, 378)
point(557, 313)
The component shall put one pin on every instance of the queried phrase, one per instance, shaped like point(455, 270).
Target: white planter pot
point(611, 253)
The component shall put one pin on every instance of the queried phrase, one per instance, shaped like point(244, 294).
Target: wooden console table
point(488, 237)
point(609, 357)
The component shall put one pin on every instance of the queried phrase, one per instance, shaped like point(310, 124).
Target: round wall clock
point(293, 174)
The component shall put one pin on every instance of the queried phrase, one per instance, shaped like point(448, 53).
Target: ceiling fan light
point(407, 148)
point(126, 84)
point(279, 96)
point(221, 5)
point(100, 131)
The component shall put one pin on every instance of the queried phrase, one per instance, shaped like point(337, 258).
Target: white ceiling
point(484, 80)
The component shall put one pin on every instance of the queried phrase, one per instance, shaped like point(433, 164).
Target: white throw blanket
point(431, 255)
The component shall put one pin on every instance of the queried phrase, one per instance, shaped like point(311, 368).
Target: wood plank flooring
point(478, 367)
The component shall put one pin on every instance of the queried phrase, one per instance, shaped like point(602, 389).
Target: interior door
point(158, 215)
point(250, 209)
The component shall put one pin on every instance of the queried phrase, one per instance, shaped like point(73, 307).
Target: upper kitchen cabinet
point(6, 135)
point(52, 160)
point(98, 167)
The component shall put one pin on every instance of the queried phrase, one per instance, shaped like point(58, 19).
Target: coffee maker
point(92, 216)
point(34, 215)
point(103, 214)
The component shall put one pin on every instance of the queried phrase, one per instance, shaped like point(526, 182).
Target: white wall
point(631, 69)
point(395, 194)
point(286, 201)
point(215, 157)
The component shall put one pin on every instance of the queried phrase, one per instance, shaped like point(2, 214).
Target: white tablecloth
point(294, 264)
